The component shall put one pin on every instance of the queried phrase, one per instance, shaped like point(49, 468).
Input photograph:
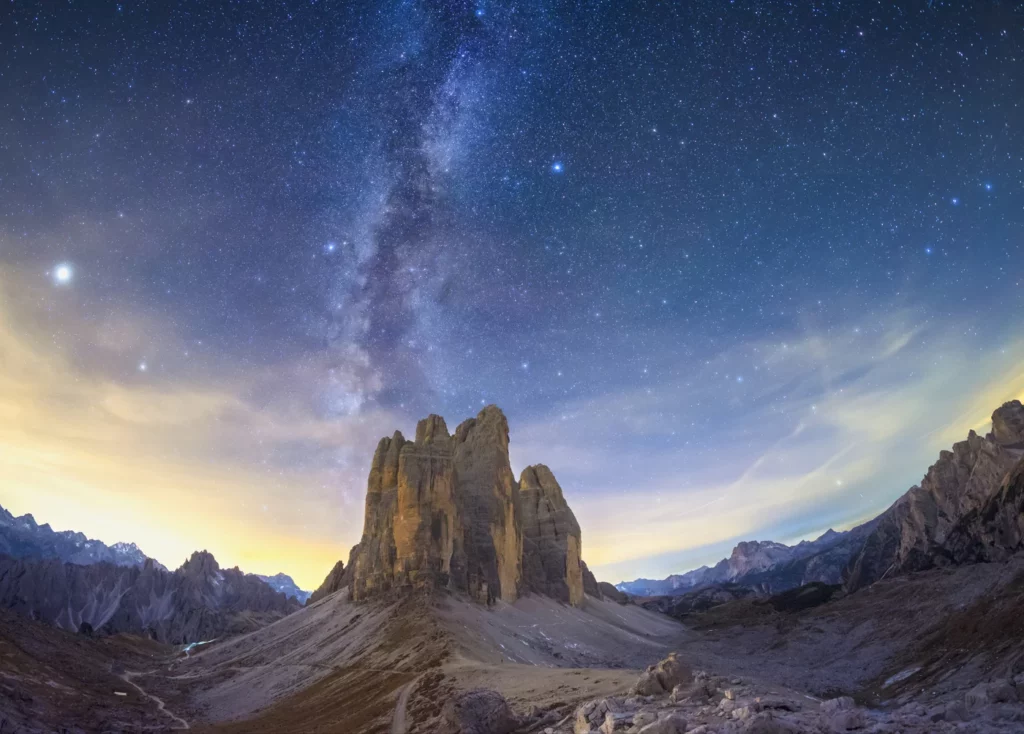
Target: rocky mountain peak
point(540, 478)
point(23, 537)
point(913, 534)
point(1008, 424)
point(432, 429)
point(201, 564)
point(446, 511)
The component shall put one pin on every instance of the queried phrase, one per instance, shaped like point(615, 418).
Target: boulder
point(995, 692)
point(663, 677)
point(591, 715)
point(767, 723)
point(643, 718)
point(616, 721)
point(846, 720)
point(668, 724)
point(479, 711)
point(843, 703)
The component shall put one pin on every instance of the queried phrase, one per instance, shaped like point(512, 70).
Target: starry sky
point(734, 270)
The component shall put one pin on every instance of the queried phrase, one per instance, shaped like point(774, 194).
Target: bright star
point(927, 251)
point(955, 201)
point(142, 366)
point(988, 186)
point(557, 167)
point(62, 273)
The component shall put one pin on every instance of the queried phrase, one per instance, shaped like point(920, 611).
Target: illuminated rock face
point(445, 511)
point(551, 538)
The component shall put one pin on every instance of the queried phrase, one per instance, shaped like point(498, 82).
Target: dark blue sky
point(699, 252)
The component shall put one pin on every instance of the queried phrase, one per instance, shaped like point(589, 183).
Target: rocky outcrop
point(1008, 424)
point(479, 711)
point(445, 511)
point(23, 537)
point(410, 521)
point(912, 534)
point(994, 531)
point(551, 538)
point(335, 581)
point(197, 602)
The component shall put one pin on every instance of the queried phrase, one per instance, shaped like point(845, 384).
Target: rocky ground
point(56, 681)
point(929, 652)
point(702, 703)
point(937, 651)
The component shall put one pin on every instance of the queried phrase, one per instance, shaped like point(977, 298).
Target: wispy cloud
point(178, 458)
point(831, 427)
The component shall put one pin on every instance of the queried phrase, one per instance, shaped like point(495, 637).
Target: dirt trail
point(161, 706)
point(398, 725)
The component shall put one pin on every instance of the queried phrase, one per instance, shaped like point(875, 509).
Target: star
point(63, 273)
point(557, 167)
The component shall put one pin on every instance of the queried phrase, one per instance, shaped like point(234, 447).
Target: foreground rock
point(663, 677)
point(445, 511)
point(708, 704)
point(480, 711)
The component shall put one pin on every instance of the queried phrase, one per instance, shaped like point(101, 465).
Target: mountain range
point(284, 583)
point(962, 511)
point(467, 575)
point(23, 537)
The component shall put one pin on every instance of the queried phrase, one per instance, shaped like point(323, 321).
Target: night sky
point(733, 270)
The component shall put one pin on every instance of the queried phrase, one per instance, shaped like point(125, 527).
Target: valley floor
point(915, 644)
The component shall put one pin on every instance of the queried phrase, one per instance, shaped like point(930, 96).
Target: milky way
point(748, 265)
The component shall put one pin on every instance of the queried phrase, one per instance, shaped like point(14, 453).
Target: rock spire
point(446, 511)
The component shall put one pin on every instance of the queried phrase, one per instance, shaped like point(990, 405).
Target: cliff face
point(445, 511)
point(551, 537)
point(488, 498)
point(995, 530)
point(942, 520)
